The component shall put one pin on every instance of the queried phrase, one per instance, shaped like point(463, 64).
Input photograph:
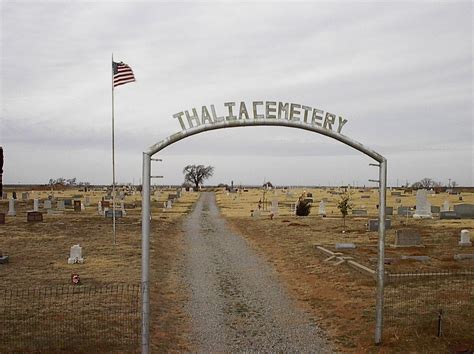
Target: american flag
point(123, 74)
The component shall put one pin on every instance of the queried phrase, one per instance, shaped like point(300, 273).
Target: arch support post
point(379, 303)
point(146, 172)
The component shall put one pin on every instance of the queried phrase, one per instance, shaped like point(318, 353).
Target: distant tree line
point(428, 183)
point(71, 182)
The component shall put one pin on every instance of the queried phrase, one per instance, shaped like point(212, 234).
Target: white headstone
point(60, 205)
point(275, 206)
point(465, 238)
point(99, 208)
point(83, 207)
point(35, 204)
point(11, 207)
point(322, 208)
point(122, 208)
point(47, 204)
point(423, 206)
point(169, 205)
point(87, 201)
point(75, 255)
point(445, 206)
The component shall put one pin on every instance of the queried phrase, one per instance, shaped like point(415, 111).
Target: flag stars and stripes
point(123, 74)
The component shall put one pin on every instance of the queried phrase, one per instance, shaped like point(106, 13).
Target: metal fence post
point(381, 249)
point(146, 254)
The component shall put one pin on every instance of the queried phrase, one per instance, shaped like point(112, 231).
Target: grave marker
point(359, 212)
point(465, 238)
point(388, 210)
point(373, 224)
point(77, 205)
point(47, 204)
point(35, 204)
point(2, 218)
point(423, 206)
point(275, 207)
point(169, 204)
point(435, 209)
point(404, 211)
point(465, 211)
point(345, 246)
point(75, 255)
point(322, 208)
point(445, 206)
point(109, 213)
point(11, 207)
point(24, 196)
point(68, 202)
point(34, 216)
point(105, 204)
point(407, 238)
point(449, 215)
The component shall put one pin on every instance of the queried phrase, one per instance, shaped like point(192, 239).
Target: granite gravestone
point(449, 215)
point(24, 196)
point(77, 205)
point(2, 218)
point(275, 207)
point(109, 213)
point(423, 206)
point(99, 208)
point(404, 211)
point(60, 205)
point(373, 224)
point(47, 204)
point(388, 210)
point(435, 209)
point(35, 204)
point(34, 216)
point(105, 204)
point(359, 212)
point(169, 204)
point(407, 238)
point(465, 211)
point(68, 202)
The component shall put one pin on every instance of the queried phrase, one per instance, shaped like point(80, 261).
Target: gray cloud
point(401, 73)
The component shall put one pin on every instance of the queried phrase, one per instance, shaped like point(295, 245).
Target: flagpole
point(113, 154)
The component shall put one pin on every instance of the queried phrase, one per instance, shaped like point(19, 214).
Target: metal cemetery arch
point(382, 164)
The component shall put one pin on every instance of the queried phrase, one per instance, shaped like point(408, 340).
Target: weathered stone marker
point(2, 218)
point(11, 207)
point(465, 211)
point(322, 208)
point(407, 238)
point(465, 238)
point(449, 215)
point(34, 216)
point(77, 205)
point(359, 212)
point(75, 255)
point(373, 224)
point(423, 206)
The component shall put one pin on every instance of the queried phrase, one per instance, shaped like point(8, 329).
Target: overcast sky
point(400, 72)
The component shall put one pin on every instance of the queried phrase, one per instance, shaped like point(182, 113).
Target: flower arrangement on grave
point(75, 279)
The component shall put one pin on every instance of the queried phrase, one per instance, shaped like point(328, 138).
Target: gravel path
point(236, 301)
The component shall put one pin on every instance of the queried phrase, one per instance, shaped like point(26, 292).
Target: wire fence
point(71, 319)
point(430, 303)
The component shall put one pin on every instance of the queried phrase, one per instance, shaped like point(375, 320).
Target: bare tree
point(425, 183)
point(196, 174)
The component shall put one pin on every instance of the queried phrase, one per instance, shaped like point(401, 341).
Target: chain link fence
point(71, 319)
point(439, 303)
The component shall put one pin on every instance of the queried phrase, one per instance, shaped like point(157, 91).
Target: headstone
point(465, 211)
point(365, 196)
point(105, 204)
point(435, 209)
point(109, 213)
point(423, 206)
point(449, 215)
point(460, 257)
point(373, 224)
point(24, 196)
point(465, 238)
point(35, 204)
point(11, 207)
point(4, 195)
point(2, 218)
point(345, 246)
point(77, 205)
point(275, 206)
point(359, 212)
point(60, 205)
point(404, 211)
point(47, 204)
point(169, 204)
point(407, 238)
point(322, 208)
point(122, 208)
point(68, 202)
point(396, 193)
point(122, 195)
point(34, 216)
point(75, 255)
point(388, 210)
point(417, 258)
point(14, 195)
point(445, 206)
point(87, 201)
point(99, 208)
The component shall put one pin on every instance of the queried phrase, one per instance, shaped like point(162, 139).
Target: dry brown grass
point(39, 251)
point(342, 299)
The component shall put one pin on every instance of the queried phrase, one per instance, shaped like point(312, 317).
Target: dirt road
point(236, 302)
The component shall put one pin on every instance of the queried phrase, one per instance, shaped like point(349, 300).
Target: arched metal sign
point(213, 124)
